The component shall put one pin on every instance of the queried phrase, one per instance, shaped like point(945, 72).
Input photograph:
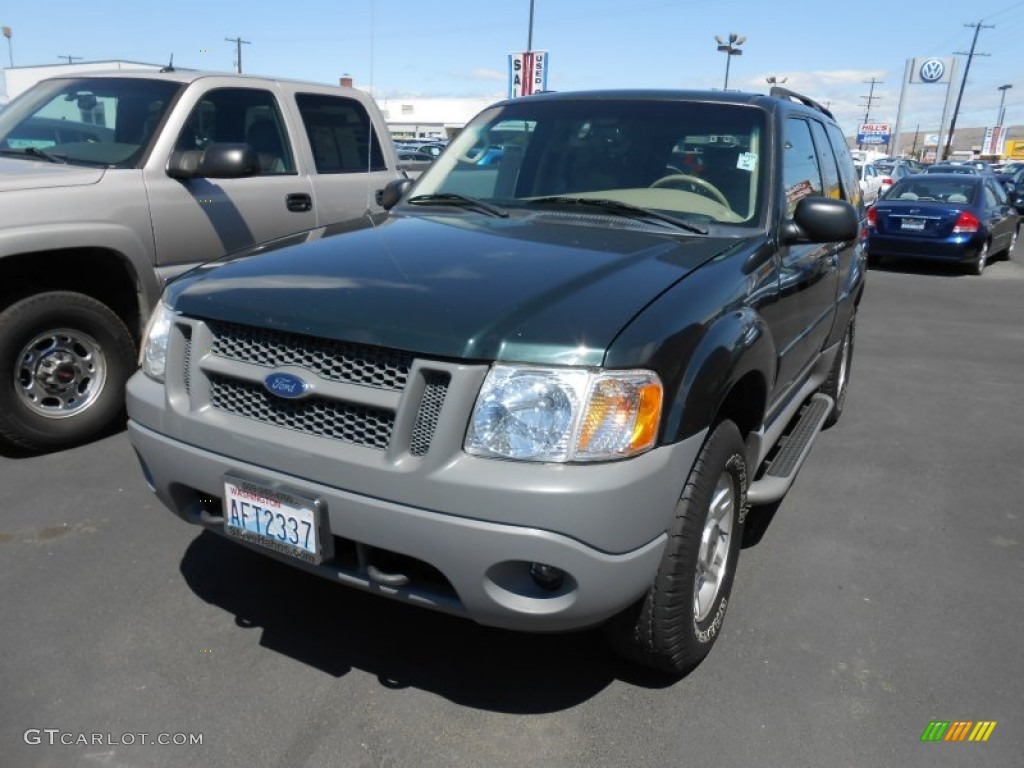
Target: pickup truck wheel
point(64, 359)
point(674, 626)
point(839, 377)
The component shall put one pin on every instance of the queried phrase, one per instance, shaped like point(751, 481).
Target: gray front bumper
point(486, 564)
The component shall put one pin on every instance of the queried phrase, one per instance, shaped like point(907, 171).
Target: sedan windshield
point(97, 121)
point(697, 161)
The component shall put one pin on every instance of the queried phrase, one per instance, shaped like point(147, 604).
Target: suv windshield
point(692, 160)
point(93, 121)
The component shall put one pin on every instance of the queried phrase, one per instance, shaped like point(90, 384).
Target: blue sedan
point(943, 217)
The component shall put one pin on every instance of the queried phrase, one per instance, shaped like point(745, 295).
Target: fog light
point(547, 576)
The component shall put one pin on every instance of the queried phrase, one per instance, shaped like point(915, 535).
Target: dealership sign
point(527, 73)
point(873, 133)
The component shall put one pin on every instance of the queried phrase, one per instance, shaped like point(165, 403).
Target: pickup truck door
point(350, 158)
point(195, 220)
point(802, 318)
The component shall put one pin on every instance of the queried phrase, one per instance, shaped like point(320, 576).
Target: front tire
point(673, 627)
point(64, 361)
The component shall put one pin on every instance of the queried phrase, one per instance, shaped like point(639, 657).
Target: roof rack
point(784, 93)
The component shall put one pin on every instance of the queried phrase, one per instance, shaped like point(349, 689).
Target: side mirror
point(388, 197)
point(217, 161)
point(822, 220)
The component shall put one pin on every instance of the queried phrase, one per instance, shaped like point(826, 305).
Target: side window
point(241, 115)
point(826, 161)
point(847, 174)
point(997, 190)
point(340, 133)
point(801, 176)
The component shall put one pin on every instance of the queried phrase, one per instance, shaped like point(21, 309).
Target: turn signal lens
point(966, 222)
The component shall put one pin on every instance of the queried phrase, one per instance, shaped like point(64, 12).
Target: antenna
point(71, 59)
point(170, 65)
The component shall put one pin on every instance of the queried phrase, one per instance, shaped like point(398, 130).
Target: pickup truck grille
point(335, 360)
point(357, 424)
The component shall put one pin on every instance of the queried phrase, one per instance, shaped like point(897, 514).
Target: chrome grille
point(333, 360)
point(356, 424)
point(435, 389)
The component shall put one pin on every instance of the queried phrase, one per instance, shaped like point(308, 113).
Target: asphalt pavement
point(884, 593)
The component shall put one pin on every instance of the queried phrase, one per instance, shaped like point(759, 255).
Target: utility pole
point(71, 59)
point(963, 83)
point(870, 99)
point(239, 42)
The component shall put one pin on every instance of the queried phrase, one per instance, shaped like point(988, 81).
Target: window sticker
point(799, 190)
point(747, 161)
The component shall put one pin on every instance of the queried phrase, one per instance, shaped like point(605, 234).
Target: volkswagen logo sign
point(285, 385)
point(932, 70)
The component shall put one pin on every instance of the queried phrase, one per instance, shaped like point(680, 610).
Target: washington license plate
point(273, 518)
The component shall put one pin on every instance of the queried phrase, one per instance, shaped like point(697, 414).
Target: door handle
point(299, 202)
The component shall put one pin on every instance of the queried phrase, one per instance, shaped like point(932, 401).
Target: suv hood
point(538, 288)
point(32, 173)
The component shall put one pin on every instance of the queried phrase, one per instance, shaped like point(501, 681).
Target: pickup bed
point(541, 393)
point(112, 183)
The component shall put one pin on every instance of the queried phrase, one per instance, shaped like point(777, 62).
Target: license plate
point(273, 518)
point(914, 224)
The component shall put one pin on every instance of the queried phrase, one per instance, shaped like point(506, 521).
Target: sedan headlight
point(153, 354)
point(564, 414)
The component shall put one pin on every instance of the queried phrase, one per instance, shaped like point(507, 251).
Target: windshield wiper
point(624, 209)
point(461, 201)
point(36, 152)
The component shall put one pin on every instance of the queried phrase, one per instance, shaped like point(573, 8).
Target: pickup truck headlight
point(153, 354)
point(564, 414)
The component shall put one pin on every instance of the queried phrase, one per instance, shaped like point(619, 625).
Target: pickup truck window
point(695, 160)
point(99, 121)
point(240, 115)
point(340, 134)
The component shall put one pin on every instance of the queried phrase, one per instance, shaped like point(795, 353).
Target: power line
point(963, 83)
point(239, 42)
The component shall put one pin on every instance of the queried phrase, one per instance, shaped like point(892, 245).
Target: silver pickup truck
point(115, 182)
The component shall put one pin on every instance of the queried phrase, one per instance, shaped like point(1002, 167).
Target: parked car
point(959, 217)
point(542, 393)
point(114, 182)
point(1013, 183)
point(870, 181)
point(890, 173)
point(969, 168)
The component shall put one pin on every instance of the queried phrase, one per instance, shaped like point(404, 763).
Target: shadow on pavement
point(335, 628)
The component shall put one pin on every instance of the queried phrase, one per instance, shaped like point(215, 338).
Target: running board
point(779, 477)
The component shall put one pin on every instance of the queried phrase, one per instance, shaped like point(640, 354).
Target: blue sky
point(459, 48)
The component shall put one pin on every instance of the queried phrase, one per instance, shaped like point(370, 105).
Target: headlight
point(564, 414)
point(153, 355)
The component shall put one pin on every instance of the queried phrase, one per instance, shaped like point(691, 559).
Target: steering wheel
point(695, 184)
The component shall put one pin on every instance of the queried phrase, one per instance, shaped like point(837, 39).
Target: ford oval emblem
point(285, 385)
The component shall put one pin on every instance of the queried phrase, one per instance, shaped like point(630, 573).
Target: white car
point(870, 182)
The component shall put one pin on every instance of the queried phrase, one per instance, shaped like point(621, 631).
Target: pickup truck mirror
point(217, 161)
point(388, 197)
point(822, 220)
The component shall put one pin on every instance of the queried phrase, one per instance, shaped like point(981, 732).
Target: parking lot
point(882, 594)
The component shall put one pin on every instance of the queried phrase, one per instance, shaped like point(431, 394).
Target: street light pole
point(1002, 100)
point(730, 48)
point(529, 37)
point(10, 50)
